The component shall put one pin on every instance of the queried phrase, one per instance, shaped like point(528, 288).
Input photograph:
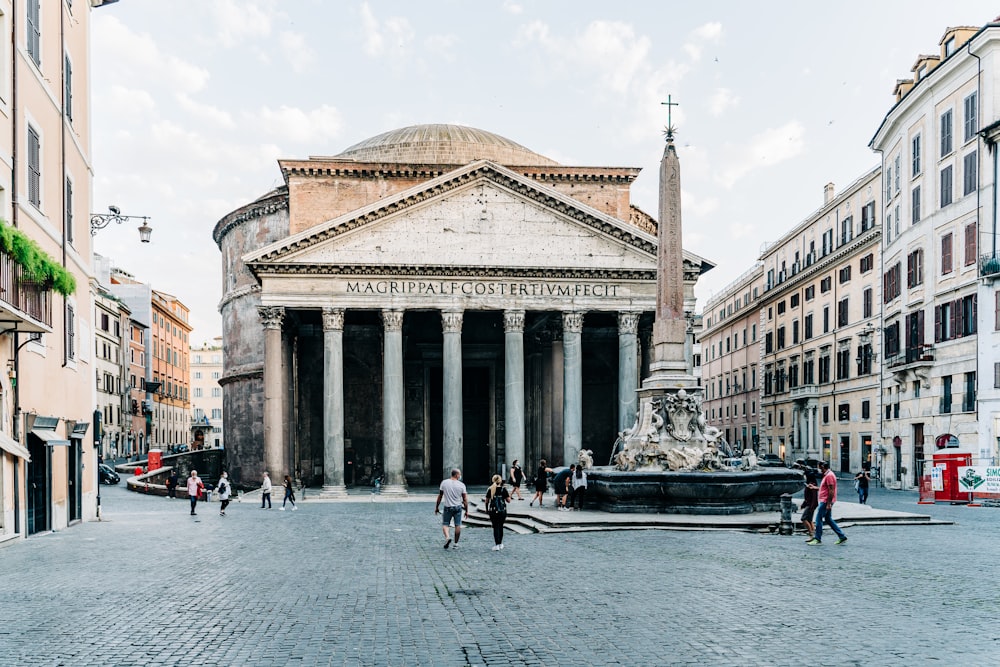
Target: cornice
point(238, 294)
point(450, 271)
point(255, 210)
point(823, 264)
point(542, 173)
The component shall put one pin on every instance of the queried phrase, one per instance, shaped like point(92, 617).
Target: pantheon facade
point(434, 297)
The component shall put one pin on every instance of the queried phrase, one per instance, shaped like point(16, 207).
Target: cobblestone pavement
point(369, 584)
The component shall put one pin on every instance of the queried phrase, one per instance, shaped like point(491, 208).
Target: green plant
point(35, 262)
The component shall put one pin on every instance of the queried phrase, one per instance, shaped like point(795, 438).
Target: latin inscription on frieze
point(479, 288)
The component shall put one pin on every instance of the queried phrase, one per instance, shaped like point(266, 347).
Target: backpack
point(498, 505)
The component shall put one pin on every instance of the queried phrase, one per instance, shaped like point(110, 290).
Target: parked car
point(107, 475)
point(771, 461)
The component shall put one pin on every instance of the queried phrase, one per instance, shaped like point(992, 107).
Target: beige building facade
point(206, 396)
point(941, 335)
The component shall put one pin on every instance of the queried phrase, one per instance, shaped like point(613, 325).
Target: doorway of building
point(918, 453)
point(38, 486)
point(845, 453)
point(73, 479)
point(477, 408)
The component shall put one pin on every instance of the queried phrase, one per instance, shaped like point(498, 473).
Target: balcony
point(989, 265)
point(24, 302)
point(912, 357)
point(805, 391)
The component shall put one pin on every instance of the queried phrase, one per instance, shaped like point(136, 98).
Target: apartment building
point(206, 395)
point(170, 354)
point(139, 419)
point(730, 358)
point(111, 422)
point(941, 309)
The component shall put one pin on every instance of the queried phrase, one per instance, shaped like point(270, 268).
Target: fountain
point(669, 460)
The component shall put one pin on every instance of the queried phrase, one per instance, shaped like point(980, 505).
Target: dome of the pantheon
point(443, 144)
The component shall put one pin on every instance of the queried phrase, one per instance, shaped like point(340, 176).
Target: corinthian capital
point(513, 321)
point(628, 323)
point(271, 316)
point(451, 321)
point(392, 320)
point(573, 322)
point(333, 319)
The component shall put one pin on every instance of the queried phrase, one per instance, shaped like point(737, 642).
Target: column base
point(333, 491)
point(395, 490)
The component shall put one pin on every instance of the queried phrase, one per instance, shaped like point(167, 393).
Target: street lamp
point(102, 220)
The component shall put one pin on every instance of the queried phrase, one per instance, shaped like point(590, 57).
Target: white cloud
point(721, 101)
point(205, 113)
point(442, 46)
point(373, 41)
point(765, 149)
point(392, 37)
point(707, 33)
point(291, 124)
point(239, 21)
point(296, 50)
point(512, 7)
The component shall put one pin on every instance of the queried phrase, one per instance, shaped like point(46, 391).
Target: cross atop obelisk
point(669, 129)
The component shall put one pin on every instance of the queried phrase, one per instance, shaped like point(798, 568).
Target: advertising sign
point(979, 479)
point(937, 478)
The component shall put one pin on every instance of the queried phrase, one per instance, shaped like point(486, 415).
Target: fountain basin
point(667, 492)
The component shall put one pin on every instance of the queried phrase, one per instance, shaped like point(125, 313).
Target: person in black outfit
point(497, 511)
point(811, 497)
point(516, 477)
point(541, 483)
point(861, 481)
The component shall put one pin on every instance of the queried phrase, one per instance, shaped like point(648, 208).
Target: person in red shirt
point(827, 497)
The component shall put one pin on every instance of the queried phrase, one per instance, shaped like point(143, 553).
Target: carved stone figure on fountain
point(585, 459)
point(749, 460)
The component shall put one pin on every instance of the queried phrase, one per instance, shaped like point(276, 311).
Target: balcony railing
point(23, 297)
point(989, 265)
point(918, 356)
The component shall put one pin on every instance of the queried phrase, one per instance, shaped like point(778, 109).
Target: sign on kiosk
point(979, 479)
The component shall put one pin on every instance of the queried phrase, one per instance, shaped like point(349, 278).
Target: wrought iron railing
point(31, 298)
point(989, 265)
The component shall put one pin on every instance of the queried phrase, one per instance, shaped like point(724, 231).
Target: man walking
point(265, 492)
point(456, 501)
point(194, 487)
point(827, 497)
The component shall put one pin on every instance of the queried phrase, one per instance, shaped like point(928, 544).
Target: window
point(808, 326)
point(949, 47)
point(34, 32)
point(888, 183)
point(825, 285)
point(844, 412)
point(795, 332)
point(842, 312)
point(899, 170)
point(970, 178)
point(969, 400)
point(946, 186)
point(946, 265)
point(216, 375)
point(946, 394)
point(865, 357)
point(891, 340)
point(996, 374)
point(915, 155)
point(845, 274)
point(34, 167)
point(781, 338)
point(868, 216)
point(810, 293)
point(197, 392)
point(781, 307)
point(996, 312)
point(891, 288)
point(768, 343)
point(826, 414)
point(68, 88)
point(794, 301)
point(70, 332)
point(867, 301)
point(216, 413)
point(846, 230)
point(970, 243)
point(867, 263)
point(946, 133)
point(844, 364)
point(808, 371)
point(216, 392)
point(915, 205)
point(866, 409)
point(915, 268)
point(824, 368)
point(826, 319)
point(68, 212)
point(197, 375)
point(970, 116)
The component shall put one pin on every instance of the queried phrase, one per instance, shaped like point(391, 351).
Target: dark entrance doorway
point(476, 423)
point(73, 479)
point(38, 486)
point(845, 453)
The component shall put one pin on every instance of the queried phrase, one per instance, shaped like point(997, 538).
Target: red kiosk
point(951, 462)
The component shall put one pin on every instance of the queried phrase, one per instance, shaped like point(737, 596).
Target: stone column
point(796, 430)
point(453, 431)
point(513, 327)
point(572, 386)
point(393, 450)
point(333, 403)
point(628, 378)
point(814, 430)
point(274, 447)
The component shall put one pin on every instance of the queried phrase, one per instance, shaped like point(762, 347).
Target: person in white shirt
point(225, 489)
point(579, 487)
point(456, 501)
point(194, 488)
point(265, 492)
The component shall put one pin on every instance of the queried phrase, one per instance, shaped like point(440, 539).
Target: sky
point(194, 101)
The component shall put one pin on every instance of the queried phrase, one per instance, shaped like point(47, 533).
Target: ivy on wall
point(36, 264)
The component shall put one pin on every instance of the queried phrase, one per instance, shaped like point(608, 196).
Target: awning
point(8, 444)
point(50, 438)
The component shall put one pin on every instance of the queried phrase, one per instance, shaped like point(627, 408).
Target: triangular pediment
point(480, 216)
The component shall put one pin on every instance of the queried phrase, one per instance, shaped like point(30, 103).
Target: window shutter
point(970, 244)
point(937, 324)
point(956, 318)
point(920, 327)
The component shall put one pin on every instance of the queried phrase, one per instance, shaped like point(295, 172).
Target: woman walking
point(289, 493)
point(516, 477)
point(541, 483)
point(497, 498)
point(224, 490)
